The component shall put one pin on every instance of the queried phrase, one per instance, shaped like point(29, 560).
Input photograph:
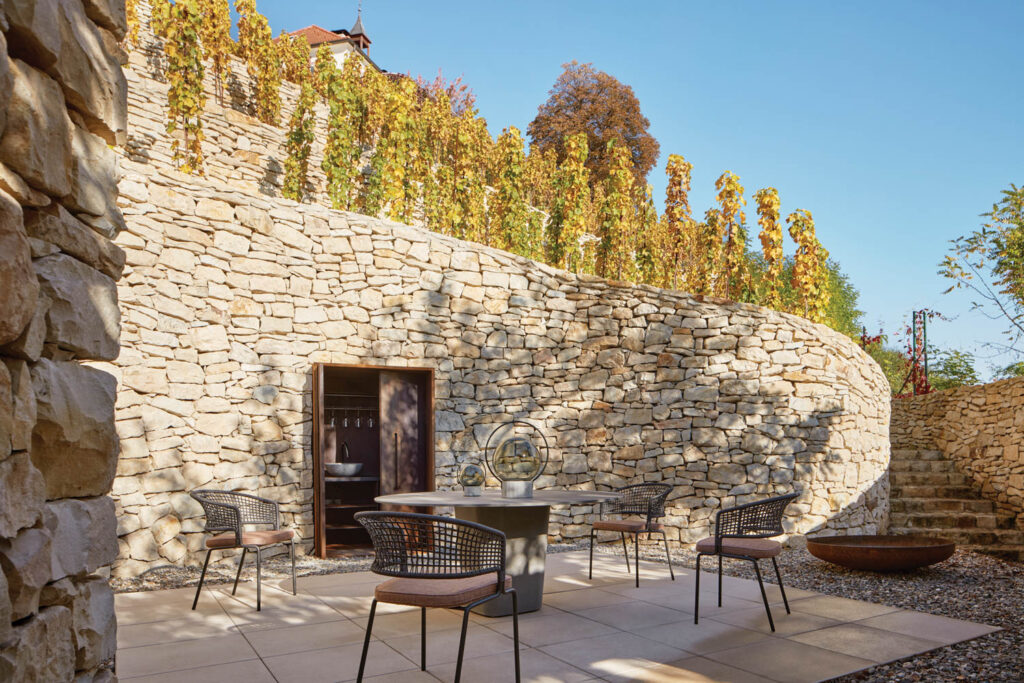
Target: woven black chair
point(646, 500)
point(743, 533)
point(437, 562)
point(231, 512)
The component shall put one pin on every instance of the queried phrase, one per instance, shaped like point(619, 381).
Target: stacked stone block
point(62, 108)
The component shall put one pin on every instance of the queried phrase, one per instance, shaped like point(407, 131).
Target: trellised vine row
point(420, 152)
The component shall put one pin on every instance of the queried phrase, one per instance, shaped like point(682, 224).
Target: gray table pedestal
point(526, 531)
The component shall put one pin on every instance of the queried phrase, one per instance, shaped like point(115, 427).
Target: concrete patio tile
point(354, 606)
point(552, 628)
point(188, 627)
point(535, 667)
point(865, 642)
point(789, 662)
point(633, 615)
point(574, 601)
point(161, 658)
point(618, 654)
point(697, 670)
point(707, 636)
point(250, 671)
point(416, 676)
point(333, 664)
point(408, 622)
point(149, 606)
point(279, 609)
point(443, 646)
point(928, 626)
point(280, 641)
point(756, 619)
point(840, 609)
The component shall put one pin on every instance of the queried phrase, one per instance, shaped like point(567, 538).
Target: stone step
point(922, 466)
point(1014, 553)
point(926, 491)
point(942, 504)
point(951, 520)
point(927, 478)
point(978, 538)
point(916, 454)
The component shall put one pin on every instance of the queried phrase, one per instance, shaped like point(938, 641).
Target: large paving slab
point(603, 629)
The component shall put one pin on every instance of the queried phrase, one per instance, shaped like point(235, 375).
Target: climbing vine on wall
point(294, 51)
point(509, 213)
point(215, 35)
point(810, 277)
point(325, 70)
point(131, 12)
point(735, 280)
point(256, 45)
point(569, 214)
point(343, 149)
point(771, 244)
point(179, 24)
point(615, 251)
point(301, 130)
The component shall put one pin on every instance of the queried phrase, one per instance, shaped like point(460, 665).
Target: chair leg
point(259, 586)
point(696, 593)
point(462, 644)
point(668, 556)
point(423, 638)
point(515, 628)
point(590, 573)
point(625, 551)
point(295, 588)
point(636, 549)
point(241, 561)
point(366, 641)
point(781, 587)
point(201, 577)
point(719, 580)
point(764, 596)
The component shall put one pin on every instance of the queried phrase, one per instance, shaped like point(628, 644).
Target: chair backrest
point(646, 499)
point(414, 545)
point(760, 519)
point(231, 510)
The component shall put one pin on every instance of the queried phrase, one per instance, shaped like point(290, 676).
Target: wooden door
point(402, 461)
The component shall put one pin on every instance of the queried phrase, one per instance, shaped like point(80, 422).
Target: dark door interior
point(401, 452)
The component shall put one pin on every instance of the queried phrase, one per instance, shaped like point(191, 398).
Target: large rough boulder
point(42, 649)
point(23, 415)
point(84, 317)
point(84, 533)
point(37, 139)
point(74, 443)
point(25, 560)
point(91, 602)
point(94, 178)
point(22, 494)
point(34, 32)
point(56, 225)
point(17, 279)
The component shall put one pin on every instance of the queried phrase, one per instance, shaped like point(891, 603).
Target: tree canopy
point(584, 100)
point(990, 264)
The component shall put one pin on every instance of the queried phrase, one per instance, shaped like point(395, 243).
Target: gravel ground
point(968, 586)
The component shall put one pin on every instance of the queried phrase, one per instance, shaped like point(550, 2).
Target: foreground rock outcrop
point(64, 101)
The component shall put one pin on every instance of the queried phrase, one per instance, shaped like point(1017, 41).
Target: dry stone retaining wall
point(228, 298)
point(978, 427)
point(62, 107)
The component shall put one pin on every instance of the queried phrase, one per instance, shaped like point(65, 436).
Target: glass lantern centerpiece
point(515, 458)
point(471, 476)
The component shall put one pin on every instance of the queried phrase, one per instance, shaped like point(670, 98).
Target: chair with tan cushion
point(646, 500)
point(436, 562)
point(744, 533)
point(230, 512)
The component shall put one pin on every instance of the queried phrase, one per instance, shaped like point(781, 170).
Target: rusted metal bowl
point(881, 553)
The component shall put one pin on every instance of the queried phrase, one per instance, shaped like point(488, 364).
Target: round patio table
point(525, 523)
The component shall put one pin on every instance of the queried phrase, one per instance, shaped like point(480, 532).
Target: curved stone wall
point(228, 298)
point(978, 427)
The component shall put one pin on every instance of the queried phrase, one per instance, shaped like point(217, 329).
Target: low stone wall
point(979, 427)
point(229, 298)
point(62, 105)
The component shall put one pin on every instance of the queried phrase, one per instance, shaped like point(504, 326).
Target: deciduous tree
point(584, 100)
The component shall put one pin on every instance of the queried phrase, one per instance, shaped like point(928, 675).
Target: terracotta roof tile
point(316, 35)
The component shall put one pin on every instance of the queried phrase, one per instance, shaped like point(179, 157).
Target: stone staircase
point(929, 496)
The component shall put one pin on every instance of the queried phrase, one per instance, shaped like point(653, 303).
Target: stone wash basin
point(881, 553)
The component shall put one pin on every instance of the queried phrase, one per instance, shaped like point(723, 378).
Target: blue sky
point(894, 123)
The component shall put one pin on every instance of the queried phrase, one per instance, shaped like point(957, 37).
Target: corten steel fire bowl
point(881, 553)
